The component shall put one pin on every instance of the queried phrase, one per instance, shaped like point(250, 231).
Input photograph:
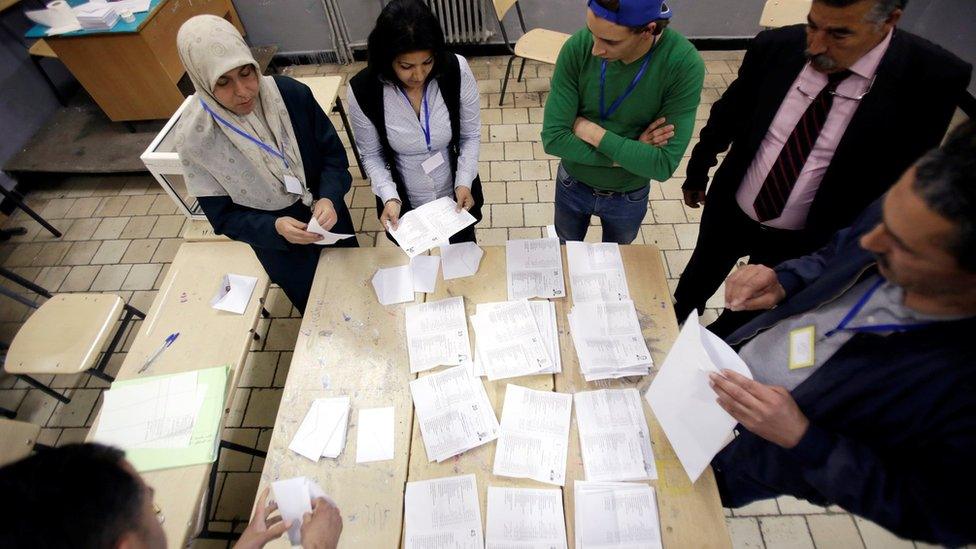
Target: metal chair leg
point(44, 388)
point(13, 197)
point(508, 72)
point(521, 70)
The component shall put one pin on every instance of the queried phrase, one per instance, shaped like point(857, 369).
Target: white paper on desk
point(534, 268)
point(321, 423)
point(430, 225)
point(551, 231)
point(616, 514)
point(294, 498)
point(534, 438)
point(684, 403)
point(454, 412)
point(509, 341)
point(443, 513)
point(328, 237)
point(608, 339)
point(544, 312)
point(393, 285)
point(525, 518)
point(615, 441)
point(596, 272)
point(437, 334)
point(375, 434)
point(234, 293)
point(460, 260)
point(135, 6)
point(160, 413)
point(423, 269)
point(54, 18)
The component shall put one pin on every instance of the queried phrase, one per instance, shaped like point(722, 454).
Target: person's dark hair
point(881, 11)
point(74, 496)
point(402, 27)
point(946, 179)
point(659, 24)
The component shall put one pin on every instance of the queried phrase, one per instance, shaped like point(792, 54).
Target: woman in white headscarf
point(260, 156)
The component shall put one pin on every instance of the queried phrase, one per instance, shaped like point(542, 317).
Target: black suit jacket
point(906, 113)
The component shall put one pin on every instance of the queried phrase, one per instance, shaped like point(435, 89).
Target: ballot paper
point(59, 17)
point(324, 426)
point(437, 335)
point(97, 15)
point(454, 412)
point(544, 313)
point(375, 433)
point(234, 293)
point(534, 268)
point(460, 260)
point(614, 439)
point(596, 272)
point(393, 285)
point(534, 435)
point(430, 225)
point(509, 341)
point(608, 340)
point(525, 518)
point(683, 401)
point(443, 513)
point(616, 515)
point(328, 238)
point(423, 269)
point(135, 6)
point(294, 498)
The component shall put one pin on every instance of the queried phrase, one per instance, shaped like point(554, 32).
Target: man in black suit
point(821, 120)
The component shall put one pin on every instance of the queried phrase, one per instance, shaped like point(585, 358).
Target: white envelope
point(423, 269)
point(460, 260)
point(328, 238)
point(375, 434)
point(294, 498)
point(234, 293)
point(393, 285)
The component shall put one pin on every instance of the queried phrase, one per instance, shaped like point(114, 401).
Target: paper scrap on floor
point(460, 260)
point(430, 225)
point(526, 518)
point(443, 513)
point(294, 497)
point(454, 412)
point(608, 340)
point(328, 237)
point(423, 269)
point(534, 268)
point(323, 431)
point(393, 285)
point(509, 341)
point(375, 433)
point(596, 272)
point(437, 335)
point(234, 293)
point(616, 514)
point(534, 438)
point(683, 401)
point(615, 441)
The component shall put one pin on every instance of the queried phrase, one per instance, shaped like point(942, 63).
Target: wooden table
point(132, 71)
point(349, 344)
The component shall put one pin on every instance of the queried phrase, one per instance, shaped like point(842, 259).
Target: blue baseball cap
point(633, 13)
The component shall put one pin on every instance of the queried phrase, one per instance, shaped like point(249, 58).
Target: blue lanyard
point(271, 150)
point(605, 113)
point(877, 328)
point(425, 108)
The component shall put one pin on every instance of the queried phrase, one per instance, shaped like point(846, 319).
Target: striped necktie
point(782, 177)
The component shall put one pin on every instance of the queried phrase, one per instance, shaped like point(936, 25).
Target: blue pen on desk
point(169, 341)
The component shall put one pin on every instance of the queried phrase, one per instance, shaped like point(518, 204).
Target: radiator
point(463, 21)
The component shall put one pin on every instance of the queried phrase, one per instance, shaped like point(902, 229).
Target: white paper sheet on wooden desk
point(683, 401)
point(534, 438)
point(393, 285)
point(375, 434)
point(608, 340)
point(616, 514)
point(437, 334)
point(544, 312)
point(423, 269)
point(323, 431)
point(534, 268)
point(234, 293)
point(596, 272)
point(443, 513)
point(615, 441)
point(509, 341)
point(454, 412)
point(430, 225)
point(525, 518)
point(460, 260)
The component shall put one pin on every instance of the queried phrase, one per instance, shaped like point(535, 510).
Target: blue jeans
point(620, 213)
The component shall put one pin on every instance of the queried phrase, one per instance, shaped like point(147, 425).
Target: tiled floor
point(121, 232)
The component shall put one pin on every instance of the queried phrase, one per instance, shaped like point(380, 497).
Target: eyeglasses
point(835, 93)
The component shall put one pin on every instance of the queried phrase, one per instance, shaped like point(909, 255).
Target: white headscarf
point(217, 161)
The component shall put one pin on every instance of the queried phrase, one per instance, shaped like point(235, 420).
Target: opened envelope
point(234, 293)
point(328, 238)
point(683, 401)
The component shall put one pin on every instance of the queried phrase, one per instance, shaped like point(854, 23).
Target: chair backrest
point(502, 7)
point(780, 13)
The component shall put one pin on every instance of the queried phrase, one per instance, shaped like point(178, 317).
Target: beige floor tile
point(506, 215)
point(284, 364)
point(495, 192)
point(83, 207)
point(259, 368)
point(515, 116)
point(539, 215)
point(238, 407)
point(110, 278)
point(687, 235)
point(237, 496)
point(110, 206)
point(519, 151)
point(504, 171)
point(168, 226)
point(138, 205)
point(492, 151)
point(745, 533)
point(834, 531)
point(529, 132)
point(142, 277)
point(492, 237)
point(11, 398)
point(163, 205)
point(82, 229)
point(677, 260)
point(503, 132)
point(51, 278)
point(282, 335)
point(73, 435)
point(166, 250)
point(277, 303)
point(535, 169)
point(262, 408)
point(80, 278)
point(140, 251)
point(57, 208)
point(661, 235)
point(547, 190)
point(668, 211)
point(237, 461)
point(521, 233)
point(789, 505)
point(142, 299)
point(757, 508)
point(36, 407)
point(491, 116)
point(110, 227)
point(785, 533)
point(51, 253)
point(876, 537)
point(110, 252)
point(139, 227)
point(76, 412)
point(521, 191)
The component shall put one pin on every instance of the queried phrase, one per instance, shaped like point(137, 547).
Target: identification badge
point(802, 348)
point(293, 185)
point(432, 163)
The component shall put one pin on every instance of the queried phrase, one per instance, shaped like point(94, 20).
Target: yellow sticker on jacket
point(801, 347)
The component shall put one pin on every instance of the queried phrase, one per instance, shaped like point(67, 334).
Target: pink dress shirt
point(794, 216)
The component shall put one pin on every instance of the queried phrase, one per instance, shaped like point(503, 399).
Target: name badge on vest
point(802, 347)
point(432, 163)
point(293, 185)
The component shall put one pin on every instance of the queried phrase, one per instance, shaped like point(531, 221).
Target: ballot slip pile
point(516, 338)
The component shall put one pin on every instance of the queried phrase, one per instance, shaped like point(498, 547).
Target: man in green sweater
point(620, 112)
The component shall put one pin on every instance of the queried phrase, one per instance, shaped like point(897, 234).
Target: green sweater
point(671, 87)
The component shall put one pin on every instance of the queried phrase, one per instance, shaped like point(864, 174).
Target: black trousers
point(726, 234)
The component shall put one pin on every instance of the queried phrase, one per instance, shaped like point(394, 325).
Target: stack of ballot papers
point(437, 335)
point(534, 268)
point(684, 402)
point(596, 272)
point(616, 514)
point(454, 412)
point(430, 225)
point(614, 439)
point(608, 340)
point(535, 435)
point(525, 518)
point(165, 421)
point(294, 497)
point(510, 342)
point(96, 16)
point(442, 513)
point(323, 431)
